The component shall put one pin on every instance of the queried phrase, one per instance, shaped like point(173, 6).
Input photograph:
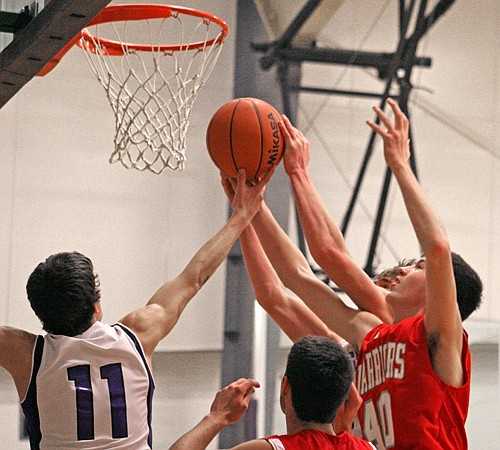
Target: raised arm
point(292, 314)
point(442, 316)
point(289, 262)
point(289, 312)
point(324, 238)
point(155, 320)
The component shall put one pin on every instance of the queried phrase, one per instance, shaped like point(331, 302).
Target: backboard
point(25, 50)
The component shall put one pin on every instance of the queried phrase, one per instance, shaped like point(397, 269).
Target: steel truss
point(392, 67)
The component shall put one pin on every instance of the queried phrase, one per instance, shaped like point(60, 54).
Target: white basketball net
point(152, 92)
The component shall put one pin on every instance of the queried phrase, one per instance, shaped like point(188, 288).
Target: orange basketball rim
point(125, 12)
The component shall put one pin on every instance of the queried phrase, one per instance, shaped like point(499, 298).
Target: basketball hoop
point(153, 83)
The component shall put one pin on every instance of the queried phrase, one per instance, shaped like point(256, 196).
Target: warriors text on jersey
point(317, 440)
point(93, 391)
point(405, 404)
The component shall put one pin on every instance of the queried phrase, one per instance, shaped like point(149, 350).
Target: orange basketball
point(244, 134)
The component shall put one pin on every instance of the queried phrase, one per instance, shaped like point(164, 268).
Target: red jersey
point(317, 440)
point(405, 404)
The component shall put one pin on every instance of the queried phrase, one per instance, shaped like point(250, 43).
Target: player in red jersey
point(317, 379)
point(414, 374)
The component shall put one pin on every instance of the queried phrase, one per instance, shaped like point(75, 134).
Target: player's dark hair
point(62, 291)
point(320, 374)
point(468, 284)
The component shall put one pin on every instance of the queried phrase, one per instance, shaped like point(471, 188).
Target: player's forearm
point(265, 281)
point(201, 435)
point(328, 248)
point(211, 255)
point(290, 313)
point(174, 295)
point(428, 227)
point(322, 232)
point(323, 236)
point(284, 255)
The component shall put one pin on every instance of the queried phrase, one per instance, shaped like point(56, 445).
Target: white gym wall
point(60, 194)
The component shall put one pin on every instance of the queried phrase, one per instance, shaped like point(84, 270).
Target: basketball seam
point(261, 138)
point(231, 135)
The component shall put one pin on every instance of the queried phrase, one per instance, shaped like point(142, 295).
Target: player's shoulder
point(255, 444)
point(364, 322)
point(16, 350)
point(15, 336)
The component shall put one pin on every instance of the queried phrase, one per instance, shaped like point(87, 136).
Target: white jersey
point(91, 391)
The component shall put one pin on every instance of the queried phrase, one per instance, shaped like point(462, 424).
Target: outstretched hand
point(231, 403)
point(396, 142)
point(245, 197)
point(243, 194)
point(297, 148)
point(229, 406)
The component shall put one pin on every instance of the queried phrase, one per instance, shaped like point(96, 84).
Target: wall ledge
point(482, 331)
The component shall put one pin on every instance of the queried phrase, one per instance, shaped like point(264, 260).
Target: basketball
point(244, 134)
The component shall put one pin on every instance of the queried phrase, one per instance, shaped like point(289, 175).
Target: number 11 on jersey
point(80, 375)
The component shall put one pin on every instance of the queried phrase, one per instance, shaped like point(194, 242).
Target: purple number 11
point(80, 375)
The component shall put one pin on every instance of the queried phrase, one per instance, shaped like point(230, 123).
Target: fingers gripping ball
point(244, 134)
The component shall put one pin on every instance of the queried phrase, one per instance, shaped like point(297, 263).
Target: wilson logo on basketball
point(274, 152)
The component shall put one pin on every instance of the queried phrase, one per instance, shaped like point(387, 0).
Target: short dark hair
point(468, 284)
point(320, 374)
point(62, 291)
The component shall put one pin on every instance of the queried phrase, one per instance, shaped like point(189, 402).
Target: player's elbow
point(268, 294)
point(194, 278)
point(335, 263)
point(327, 254)
point(438, 249)
point(386, 315)
point(320, 253)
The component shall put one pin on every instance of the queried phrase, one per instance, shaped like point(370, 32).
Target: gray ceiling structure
point(38, 37)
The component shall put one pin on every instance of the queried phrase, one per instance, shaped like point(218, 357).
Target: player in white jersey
point(92, 386)
point(86, 384)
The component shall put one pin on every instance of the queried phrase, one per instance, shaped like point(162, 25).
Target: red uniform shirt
point(317, 440)
point(405, 404)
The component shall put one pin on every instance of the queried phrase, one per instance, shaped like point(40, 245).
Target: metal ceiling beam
point(392, 67)
point(41, 39)
point(378, 60)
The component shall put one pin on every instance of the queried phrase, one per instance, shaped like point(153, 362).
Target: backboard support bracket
point(40, 39)
point(11, 22)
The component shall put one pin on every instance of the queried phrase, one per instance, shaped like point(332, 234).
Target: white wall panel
point(8, 139)
point(139, 229)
